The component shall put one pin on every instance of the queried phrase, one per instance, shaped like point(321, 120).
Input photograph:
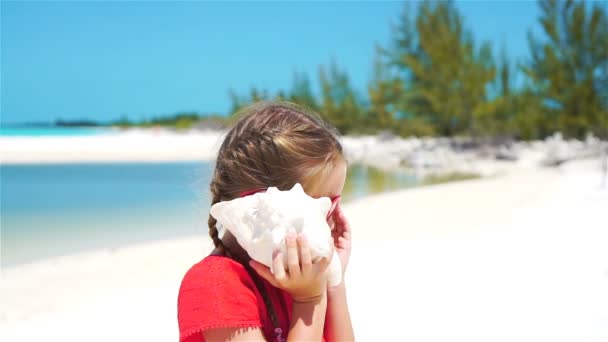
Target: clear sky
point(102, 60)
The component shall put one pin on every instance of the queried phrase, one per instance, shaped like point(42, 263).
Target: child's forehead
point(332, 183)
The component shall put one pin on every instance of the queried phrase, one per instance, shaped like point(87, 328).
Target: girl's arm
point(307, 320)
point(305, 281)
point(338, 326)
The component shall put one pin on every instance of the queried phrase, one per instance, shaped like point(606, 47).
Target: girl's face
point(331, 186)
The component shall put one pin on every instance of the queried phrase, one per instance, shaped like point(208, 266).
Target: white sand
point(518, 257)
point(522, 257)
point(132, 145)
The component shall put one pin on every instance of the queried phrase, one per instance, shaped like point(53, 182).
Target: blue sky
point(102, 60)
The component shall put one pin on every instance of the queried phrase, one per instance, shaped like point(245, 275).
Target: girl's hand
point(342, 237)
point(305, 281)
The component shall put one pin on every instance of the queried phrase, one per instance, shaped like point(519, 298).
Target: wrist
point(307, 320)
point(338, 290)
point(314, 299)
point(310, 296)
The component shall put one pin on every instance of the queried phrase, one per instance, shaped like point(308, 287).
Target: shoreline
point(384, 152)
point(128, 146)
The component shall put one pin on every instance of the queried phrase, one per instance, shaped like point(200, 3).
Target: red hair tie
point(250, 192)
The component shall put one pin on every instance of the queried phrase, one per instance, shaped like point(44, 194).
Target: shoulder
point(212, 277)
point(217, 292)
point(215, 272)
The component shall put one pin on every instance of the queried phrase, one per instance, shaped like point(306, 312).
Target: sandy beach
point(516, 256)
point(136, 145)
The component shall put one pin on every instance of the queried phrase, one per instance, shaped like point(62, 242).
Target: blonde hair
point(272, 144)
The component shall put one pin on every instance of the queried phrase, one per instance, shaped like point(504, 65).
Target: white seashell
point(260, 223)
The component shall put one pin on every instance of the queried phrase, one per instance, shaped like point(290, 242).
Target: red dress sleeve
point(216, 292)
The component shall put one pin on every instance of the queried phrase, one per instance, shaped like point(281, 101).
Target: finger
point(338, 222)
point(343, 242)
point(339, 214)
point(347, 235)
point(335, 235)
point(293, 262)
point(343, 219)
point(345, 225)
point(306, 258)
point(332, 224)
point(278, 266)
point(263, 272)
point(338, 242)
point(323, 264)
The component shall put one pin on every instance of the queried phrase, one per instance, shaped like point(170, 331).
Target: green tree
point(528, 119)
point(255, 95)
point(496, 117)
point(236, 102)
point(340, 105)
point(569, 67)
point(445, 74)
point(301, 92)
point(384, 91)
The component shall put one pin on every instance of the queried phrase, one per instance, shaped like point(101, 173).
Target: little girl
point(229, 297)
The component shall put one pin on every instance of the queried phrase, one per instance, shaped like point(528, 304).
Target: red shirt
point(219, 292)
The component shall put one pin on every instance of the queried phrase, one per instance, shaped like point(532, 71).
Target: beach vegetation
point(569, 67)
point(440, 178)
point(180, 121)
point(435, 79)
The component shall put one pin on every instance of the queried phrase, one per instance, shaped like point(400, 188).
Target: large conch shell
point(260, 223)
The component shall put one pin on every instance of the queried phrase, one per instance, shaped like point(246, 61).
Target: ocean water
point(52, 210)
point(61, 209)
point(50, 131)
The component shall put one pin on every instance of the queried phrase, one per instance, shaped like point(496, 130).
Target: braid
point(258, 154)
point(224, 250)
point(213, 233)
point(260, 286)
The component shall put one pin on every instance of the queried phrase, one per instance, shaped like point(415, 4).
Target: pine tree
point(384, 90)
point(445, 74)
point(569, 67)
point(340, 104)
point(301, 92)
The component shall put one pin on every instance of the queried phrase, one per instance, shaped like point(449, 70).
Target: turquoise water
point(50, 131)
point(53, 210)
